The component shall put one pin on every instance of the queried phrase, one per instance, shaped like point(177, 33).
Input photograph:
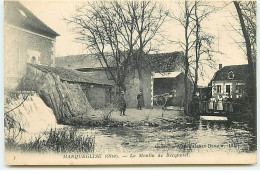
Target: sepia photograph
point(133, 82)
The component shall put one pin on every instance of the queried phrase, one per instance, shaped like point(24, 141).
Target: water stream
point(199, 137)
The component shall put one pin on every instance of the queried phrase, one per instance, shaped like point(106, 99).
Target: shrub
point(59, 141)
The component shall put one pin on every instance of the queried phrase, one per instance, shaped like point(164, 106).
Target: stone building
point(27, 40)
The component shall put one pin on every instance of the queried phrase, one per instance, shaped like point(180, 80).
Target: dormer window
point(231, 75)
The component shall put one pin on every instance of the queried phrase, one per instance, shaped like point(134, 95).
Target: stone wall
point(98, 97)
point(19, 46)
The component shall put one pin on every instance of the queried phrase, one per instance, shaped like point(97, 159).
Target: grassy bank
point(65, 140)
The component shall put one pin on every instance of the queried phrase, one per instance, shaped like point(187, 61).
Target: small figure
point(204, 104)
point(196, 103)
point(122, 103)
point(140, 100)
point(220, 103)
point(171, 100)
point(212, 100)
point(230, 104)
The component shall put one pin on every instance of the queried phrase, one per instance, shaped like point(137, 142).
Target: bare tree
point(107, 27)
point(186, 20)
point(148, 18)
point(203, 41)
point(197, 43)
point(246, 12)
point(123, 28)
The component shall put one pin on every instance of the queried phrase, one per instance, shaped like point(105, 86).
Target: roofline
point(106, 85)
point(230, 80)
point(234, 65)
point(111, 52)
point(164, 77)
point(54, 33)
point(62, 79)
point(94, 69)
point(163, 53)
point(30, 32)
point(213, 78)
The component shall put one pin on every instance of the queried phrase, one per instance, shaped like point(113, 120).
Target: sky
point(219, 24)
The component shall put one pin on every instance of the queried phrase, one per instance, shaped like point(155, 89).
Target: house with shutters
point(27, 40)
point(229, 81)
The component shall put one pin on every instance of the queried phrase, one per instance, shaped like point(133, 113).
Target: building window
point(218, 88)
point(228, 90)
point(33, 60)
point(239, 89)
point(231, 75)
point(33, 56)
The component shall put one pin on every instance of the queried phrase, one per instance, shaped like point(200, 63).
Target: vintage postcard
point(130, 82)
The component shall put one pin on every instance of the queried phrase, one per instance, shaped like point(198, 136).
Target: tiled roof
point(83, 61)
point(164, 61)
point(76, 76)
point(239, 71)
point(158, 62)
point(16, 14)
point(167, 74)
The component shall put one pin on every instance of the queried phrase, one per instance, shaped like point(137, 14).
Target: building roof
point(239, 71)
point(167, 74)
point(70, 75)
point(83, 61)
point(16, 14)
point(158, 62)
point(164, 62)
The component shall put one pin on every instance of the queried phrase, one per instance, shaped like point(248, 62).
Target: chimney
point(220, 66)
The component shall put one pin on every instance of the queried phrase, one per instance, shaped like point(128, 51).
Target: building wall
point(178, 85)
point(167, 85)
point(20, 46)
point(132, 89)
point(235, 93)
point(98, 97)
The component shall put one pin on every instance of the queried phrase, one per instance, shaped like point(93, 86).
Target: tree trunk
point(197, 53)
point(186, 103)
point(195, 79)
point(122, 86)
point(139, 67)
point(251, 82)
point(140, 75)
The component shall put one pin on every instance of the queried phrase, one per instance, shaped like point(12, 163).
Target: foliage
point(120, 28)
point(56, 141)
point(197, 44)
point(13, 127)
point(246, 12)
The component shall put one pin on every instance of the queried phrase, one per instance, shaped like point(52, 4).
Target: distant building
point(229, 80)
point(162, 73)
point(203, 92)
point(27, 40)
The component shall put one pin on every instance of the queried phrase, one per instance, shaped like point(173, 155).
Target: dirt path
point(135, 115)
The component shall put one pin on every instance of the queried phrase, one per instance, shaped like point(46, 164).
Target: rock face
point(65, 99)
